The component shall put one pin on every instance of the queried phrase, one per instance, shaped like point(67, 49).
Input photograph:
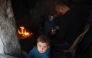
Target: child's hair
point(43, 39)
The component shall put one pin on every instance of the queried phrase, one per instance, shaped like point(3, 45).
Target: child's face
point(42, 47)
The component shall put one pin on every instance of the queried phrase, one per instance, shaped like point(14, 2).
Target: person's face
point(59, 10)
point(42, 47)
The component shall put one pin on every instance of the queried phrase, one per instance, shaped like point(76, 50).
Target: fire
point(24, 33)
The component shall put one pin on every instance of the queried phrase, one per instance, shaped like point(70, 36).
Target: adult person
point(90, 33)
point(71, 26)
point(87, 40)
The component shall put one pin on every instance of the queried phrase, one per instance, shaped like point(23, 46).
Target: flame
point(23, 33)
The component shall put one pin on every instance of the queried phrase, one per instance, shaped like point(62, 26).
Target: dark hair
point(62, 2)
point(43, 39)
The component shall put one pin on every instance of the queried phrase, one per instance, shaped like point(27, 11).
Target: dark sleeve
point(64, 23)
point(57, 21)
point(90, 18)
point(31, 53)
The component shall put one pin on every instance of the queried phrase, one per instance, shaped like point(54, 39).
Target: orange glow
point(24, 33)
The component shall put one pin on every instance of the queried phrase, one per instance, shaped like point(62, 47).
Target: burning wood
point(23, 33)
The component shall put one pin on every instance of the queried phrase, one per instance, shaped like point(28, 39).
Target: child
point(42, 50)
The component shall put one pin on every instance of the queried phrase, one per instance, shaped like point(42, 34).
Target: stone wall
point(9, 41)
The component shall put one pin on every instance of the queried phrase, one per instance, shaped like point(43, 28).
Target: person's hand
point(53, 31)
point(57, 27)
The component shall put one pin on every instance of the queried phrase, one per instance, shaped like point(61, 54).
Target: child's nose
point(42, 48)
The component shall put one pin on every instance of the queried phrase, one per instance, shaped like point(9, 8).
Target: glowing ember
point(23, 33)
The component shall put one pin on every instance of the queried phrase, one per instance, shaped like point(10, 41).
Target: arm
point(63, 28)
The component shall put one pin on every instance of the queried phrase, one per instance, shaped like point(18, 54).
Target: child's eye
point(45, 47)
point(39, 45)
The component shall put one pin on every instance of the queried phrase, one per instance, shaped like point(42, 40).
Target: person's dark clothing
point(71, 26)
point(51, 24)
point(87, 40)
point(90, 19)
point(48, 26)
point(90, 49)
point(58, 44)
point(57, 21)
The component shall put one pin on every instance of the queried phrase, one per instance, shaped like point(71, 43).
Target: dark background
point(31, 13)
